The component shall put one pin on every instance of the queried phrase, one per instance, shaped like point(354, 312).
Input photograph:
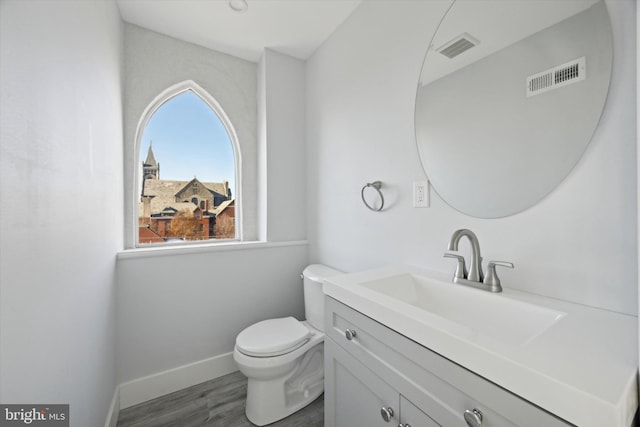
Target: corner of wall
point(114, 409)
point(262, 149)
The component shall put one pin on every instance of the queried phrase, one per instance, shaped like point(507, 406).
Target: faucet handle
point(461, 268)
point(492, 278)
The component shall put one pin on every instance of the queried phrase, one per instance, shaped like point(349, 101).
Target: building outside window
point(191, 198)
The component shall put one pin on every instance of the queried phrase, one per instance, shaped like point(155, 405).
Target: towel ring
point(376, 186)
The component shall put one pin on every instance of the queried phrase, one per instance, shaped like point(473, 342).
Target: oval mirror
point(509, 97)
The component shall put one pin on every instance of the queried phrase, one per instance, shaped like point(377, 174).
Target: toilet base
point(271, 400)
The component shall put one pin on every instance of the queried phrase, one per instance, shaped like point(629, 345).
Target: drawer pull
point(350, 334)
point(386, 413)
point(473, 417)
point(404, 425)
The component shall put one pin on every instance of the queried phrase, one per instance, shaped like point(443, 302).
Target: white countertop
point(583, 368)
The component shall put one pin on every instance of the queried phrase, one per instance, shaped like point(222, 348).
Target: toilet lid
point(272, 337)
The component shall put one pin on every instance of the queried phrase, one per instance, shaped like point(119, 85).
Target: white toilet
point(283, 359)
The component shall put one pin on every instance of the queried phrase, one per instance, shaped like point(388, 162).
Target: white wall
point(154, 63)
point(61, 203)
point(281, 143)
point(638, 138)
point(182, 306)
point(179, 309)
point(578, 244)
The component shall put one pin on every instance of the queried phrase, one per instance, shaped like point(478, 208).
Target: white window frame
point(149, 111)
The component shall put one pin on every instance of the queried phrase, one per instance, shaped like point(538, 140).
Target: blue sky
point(189, 140)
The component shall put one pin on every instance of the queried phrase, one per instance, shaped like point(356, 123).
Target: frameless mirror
point(509, 97)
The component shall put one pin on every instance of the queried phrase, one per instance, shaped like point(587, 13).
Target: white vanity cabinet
point(360, 398)
point(373, 374)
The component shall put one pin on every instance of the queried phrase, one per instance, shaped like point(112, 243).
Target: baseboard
point(114, 409)
point(161, 383)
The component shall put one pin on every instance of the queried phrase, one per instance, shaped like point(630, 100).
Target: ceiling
point(292, 27)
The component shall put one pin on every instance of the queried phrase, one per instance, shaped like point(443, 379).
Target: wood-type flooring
point(219, 402)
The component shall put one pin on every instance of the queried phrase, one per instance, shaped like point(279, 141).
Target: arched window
point(186, 131)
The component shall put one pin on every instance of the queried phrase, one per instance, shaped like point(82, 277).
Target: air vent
point(460, 44)
point(557, 77)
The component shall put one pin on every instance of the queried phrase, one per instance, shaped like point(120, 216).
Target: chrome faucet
point(475, 270)
point(474, 277)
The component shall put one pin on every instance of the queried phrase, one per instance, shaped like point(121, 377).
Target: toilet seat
point(272, 337)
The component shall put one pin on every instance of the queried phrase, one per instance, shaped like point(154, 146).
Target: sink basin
point(480, 312)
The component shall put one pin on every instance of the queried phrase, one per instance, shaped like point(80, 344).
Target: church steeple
point(151, 160)
point(150, 168)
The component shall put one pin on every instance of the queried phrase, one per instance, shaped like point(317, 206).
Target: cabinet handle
point(386, 413)
point(404, 425)
point(350, 334)
point(473, 417)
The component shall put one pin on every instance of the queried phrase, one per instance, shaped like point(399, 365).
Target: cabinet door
point(354, 395)
point(411, 416)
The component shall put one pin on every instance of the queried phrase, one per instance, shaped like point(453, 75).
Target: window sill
point(201, 248)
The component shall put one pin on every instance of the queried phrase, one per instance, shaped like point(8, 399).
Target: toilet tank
point(312, 277)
